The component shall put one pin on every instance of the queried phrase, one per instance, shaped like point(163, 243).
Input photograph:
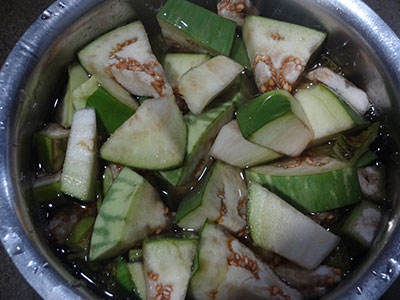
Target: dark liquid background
point(15, 18)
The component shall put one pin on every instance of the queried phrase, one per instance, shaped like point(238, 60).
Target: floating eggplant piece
point(236, 10)
point(356, 98)
point(278, 51)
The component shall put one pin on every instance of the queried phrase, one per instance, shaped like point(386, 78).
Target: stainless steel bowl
point(369, 53)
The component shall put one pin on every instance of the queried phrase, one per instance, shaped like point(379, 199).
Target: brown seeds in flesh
point(163, 291)
point(223, 210)
point(242, 261)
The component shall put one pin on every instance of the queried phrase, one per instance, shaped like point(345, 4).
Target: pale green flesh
point(65, 111)
point(279, 41)
point(201, 84)
point(223, 187)
point(79, 172)
point(177, 64)
point(47, 188)
point(286, 134)
point(130, 210)
point(191, 27)
point(324, 111)
point(215, 276)
point(201, 131)
point(128, 44)
point(276, 226)
point(154, 138)
point(305, 186)
point(232, 148)
point(51, 144)
point(138, 278)
point(81, 94)
point(171, 260)
point(361, 225)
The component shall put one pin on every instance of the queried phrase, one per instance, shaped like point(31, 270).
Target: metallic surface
point(357, 38)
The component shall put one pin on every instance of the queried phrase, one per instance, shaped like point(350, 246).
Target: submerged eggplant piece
point(168, 266)
point(274, 225)
point(302, 182)
point(227, 269)
point(372, 182)
point(356, 98)
point(279, 51)
point(154, 138)
point(236, 10)
point(125, 55)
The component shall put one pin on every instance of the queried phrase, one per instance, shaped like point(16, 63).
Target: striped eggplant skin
point(130, 211)
point(310, 184)
point(193, 28)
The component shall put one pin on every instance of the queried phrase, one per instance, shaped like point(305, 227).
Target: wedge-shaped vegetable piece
point(229, 270)
point(231, 147)
point(111, 171)
point(65, 111)
point(80, 166)
point(239, 53)
point(372, 182)
point(274, 225)
point(109, 111)
point(125, 54)
point(138, 278)
point(131, 210)
point(130, 277)
point(356, 98)
point(82, 93)
point(153, 138)
point(47, 188)
point(278, 51)
point(202, 129)
point(236, 10)
point(177, 64)
point(202, 84)
point(275, 120)
point(220, 196)
point(326, 113)
point(350, 148)
point(79, 238)
point(302, 181)
point(168, 266)
point(361, 225)
point(51, 144)
point(193, 28)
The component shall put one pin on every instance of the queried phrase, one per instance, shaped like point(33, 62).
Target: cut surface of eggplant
point(302, 181)
point(130, 211)
point(202, 129)
point(227, 269)
point(65, 110)
point(154, 138)
point(274, 225)
point(325, 112)
point(80, 168)
point(275, 120)
point(192, 28)
point(221, 197)
point(232, 148)
point(51, 145)
point(125, 55)
point(202, 84)
point(278, 51)
point(177, 64)
point(356, 98)
point(168, 266)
